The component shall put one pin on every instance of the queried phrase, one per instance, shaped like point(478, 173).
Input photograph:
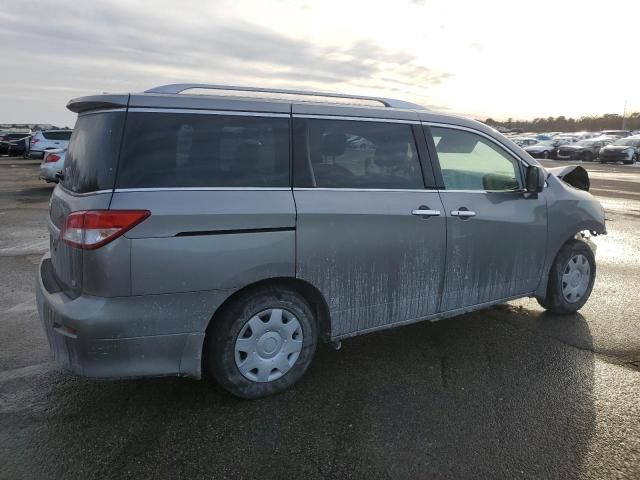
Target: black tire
point(227, 325)
point(587, 157)
point(554, 301)
point(545, 154)
point(632, 161)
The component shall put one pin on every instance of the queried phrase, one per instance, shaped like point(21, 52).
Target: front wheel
point(545, 154)
point(571, 279)
point(262, 343)
point(588, 156)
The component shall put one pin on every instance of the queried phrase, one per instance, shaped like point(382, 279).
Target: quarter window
point(470, 162)
point(356, 154)
point(90, 164)
point(202, 150)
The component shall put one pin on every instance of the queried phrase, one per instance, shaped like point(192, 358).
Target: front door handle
point(463, 213)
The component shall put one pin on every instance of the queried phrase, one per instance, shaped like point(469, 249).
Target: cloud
point(116, 45)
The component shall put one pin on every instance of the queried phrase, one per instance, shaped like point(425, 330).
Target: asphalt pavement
point(507, 392)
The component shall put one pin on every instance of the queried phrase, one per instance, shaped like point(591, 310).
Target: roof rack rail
point(177, 88)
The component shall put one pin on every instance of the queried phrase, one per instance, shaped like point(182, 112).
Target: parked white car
point(48, 140)
point(525, 141)
point(566, 136)
point(52, 164)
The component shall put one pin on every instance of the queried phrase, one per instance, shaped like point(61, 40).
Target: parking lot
point(508, 392)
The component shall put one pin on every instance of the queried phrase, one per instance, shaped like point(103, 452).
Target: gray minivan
point(229, 232)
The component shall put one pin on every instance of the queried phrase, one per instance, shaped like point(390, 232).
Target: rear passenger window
point(356, 154)
point(470, 162)
point(204, 150)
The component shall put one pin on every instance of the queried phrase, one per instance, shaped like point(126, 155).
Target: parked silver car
point(625, 150)
point(44, 140)
point(525, 141)
point(52, 165)
point(230, 234)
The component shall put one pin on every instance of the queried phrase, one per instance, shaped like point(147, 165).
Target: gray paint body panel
point(496, 253)
point(141, 304)
point(373, 261)
point(569, 211)
point(68, 261)
point(188, 244)
point(210, 262)
point(128, 336)
point(106, 271)
point(179, 211)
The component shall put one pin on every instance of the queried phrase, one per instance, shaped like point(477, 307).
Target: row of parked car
point(605, 146)
point(50, 145)
point(33, 144)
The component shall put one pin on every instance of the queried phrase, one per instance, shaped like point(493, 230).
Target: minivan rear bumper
point(123, 337)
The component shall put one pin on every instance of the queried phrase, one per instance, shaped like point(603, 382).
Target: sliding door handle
point(426, 212)
point(463, 213)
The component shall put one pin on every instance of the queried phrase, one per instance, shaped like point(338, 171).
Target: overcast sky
point(483, 58)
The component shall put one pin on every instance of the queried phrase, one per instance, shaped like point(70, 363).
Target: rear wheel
point(545, 154)
point(262, 343)
point(571, 279)
point(587, 157)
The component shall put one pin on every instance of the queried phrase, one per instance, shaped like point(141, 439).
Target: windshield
point(585, 143)
point(550, 143)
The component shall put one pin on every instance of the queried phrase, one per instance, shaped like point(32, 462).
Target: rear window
point(66, 135)
point(90, 164)
point(204, 150)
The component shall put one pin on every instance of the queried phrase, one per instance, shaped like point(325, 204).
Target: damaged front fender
point(574, 175)
point(571, 211)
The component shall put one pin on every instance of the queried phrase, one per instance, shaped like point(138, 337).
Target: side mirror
point(534, 179)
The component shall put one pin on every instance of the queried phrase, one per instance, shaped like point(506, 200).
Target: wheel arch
point(305, 289)
point(590, 227)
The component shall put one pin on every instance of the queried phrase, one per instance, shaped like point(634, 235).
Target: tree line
point(609, 121)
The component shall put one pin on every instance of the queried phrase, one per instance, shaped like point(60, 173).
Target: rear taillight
point(91, 229)
point(52, 157)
